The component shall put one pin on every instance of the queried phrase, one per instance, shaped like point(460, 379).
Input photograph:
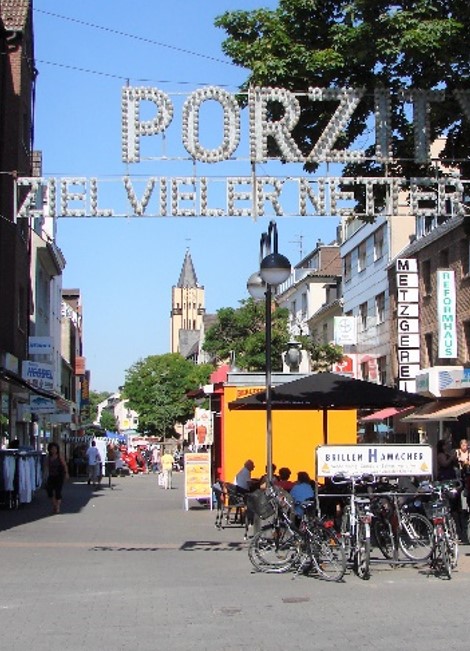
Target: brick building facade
point(445, 247)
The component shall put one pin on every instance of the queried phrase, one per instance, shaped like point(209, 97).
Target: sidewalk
point(129, 568)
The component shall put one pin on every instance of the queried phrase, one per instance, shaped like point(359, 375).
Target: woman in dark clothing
point(446, 460)
point(56, 473)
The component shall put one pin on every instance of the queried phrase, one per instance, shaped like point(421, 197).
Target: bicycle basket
point(435, 509)
point(260, 504)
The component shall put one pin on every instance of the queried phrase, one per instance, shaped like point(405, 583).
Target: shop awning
point(439, 410)
point(383, 414)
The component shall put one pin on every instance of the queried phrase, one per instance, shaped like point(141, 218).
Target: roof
point(439, 410)
point(188, 276)
point(14, 14)
point(422, 242)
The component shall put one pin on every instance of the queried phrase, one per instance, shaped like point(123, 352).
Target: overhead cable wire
point(143, 39)
point(126, 78)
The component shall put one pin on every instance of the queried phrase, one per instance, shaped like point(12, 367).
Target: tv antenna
point(299, 241)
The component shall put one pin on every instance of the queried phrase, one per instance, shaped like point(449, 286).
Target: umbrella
point(331, 391)
point(325, 391)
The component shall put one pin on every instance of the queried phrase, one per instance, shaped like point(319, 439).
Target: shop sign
point(347, 365)
point(197, 476)
point(377, 460)
point(38, 375)
point(203, 424)
point(408, 349)
point(446, 313)
point(40, 345)
point(345, 330)
point(40, 405)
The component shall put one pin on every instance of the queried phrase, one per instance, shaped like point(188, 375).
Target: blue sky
point(126, 267)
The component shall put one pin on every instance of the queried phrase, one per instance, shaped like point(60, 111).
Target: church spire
point(188, 276)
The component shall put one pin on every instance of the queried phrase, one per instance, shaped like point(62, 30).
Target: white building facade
point(366, 252)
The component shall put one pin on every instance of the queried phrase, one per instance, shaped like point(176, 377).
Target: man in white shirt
point(94, 460)
point(243, 478)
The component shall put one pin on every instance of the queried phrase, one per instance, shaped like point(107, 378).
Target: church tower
point(187, 310)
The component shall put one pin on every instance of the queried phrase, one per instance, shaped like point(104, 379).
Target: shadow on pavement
point(76, 494)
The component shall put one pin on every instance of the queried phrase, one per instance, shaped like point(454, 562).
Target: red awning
point(383, 414)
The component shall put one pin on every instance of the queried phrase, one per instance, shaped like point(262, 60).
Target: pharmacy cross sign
point(253, 194)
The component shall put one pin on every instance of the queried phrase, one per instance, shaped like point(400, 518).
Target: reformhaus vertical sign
point(446, 313)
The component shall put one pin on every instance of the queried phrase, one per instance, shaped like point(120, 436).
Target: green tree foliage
point(361, 43)
point(96, 397)
point(108, 421)
point(240, 333)
point(322, 356)
point(156, 389)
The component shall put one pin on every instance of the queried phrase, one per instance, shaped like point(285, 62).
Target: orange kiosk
point(241, 434)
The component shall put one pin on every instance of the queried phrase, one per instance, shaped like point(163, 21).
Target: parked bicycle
point(445, 548)
point(309, 546)
point(275, 548)
point(355, 524)
point(397, 526)
point(321, 550)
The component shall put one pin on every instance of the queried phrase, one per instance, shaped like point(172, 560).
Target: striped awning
point(439, 410)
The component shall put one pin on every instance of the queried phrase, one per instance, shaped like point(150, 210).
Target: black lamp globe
point(275, 269)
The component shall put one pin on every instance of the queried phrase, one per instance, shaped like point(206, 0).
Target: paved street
point(128, 568)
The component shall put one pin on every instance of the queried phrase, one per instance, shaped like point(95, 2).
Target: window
point(426, 275)
point(382, 369)
point(465, 257)
point(466, 335)
point(444, 258)
point(325, 333)
point(363, 315)
point(380, 307)
point(304, 305)
point(347, 267)
point(22, 309)
point(428, 347)
point(379, 243)
point(294, 309)
point(361, 256)
point(365, 370)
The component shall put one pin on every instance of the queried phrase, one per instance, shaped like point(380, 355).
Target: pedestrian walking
point(57, 472)
point(156, 459)
point(167, 462)
point(94, 461)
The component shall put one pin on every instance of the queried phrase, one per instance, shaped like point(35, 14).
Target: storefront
point(448, 414)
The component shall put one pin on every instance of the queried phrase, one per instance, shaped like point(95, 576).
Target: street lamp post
point(274, 269)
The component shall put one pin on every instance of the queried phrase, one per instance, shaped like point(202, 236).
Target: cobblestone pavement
point(129, 568)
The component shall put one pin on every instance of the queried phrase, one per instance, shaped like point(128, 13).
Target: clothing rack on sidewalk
point(21, 473)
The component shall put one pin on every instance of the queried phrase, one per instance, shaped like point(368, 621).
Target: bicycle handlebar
point(364, 478)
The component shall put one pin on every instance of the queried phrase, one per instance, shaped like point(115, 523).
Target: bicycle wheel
point(346, 532)
point(383, 536)
point(444, 553)
point(327, 553)
point(362, 552)
point(415, 536)
point(452, 539)
point(276, 548)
